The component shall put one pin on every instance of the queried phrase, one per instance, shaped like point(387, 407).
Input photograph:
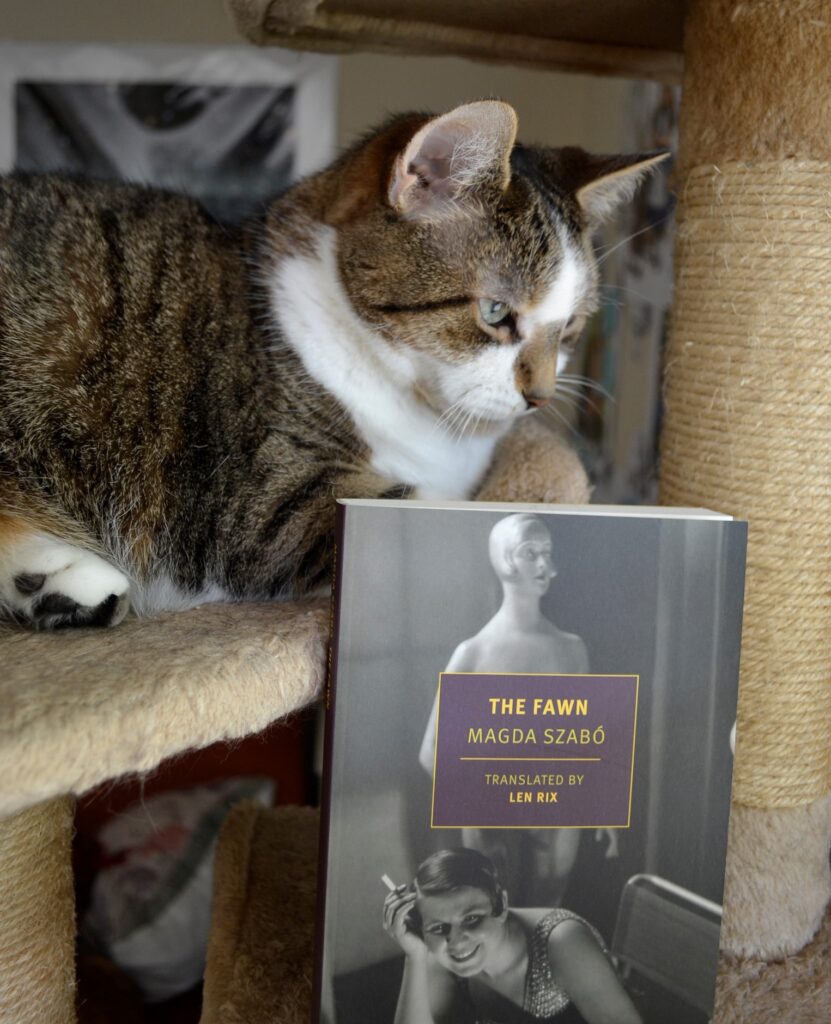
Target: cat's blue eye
point(493, 312)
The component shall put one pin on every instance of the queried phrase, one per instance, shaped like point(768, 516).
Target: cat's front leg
point(47, 583)
point(533, 464)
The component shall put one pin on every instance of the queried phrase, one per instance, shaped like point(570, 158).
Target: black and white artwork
point(231, 127)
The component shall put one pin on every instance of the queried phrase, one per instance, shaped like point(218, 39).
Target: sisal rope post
point(749, 432)
point(748, 420)
point(37, 916)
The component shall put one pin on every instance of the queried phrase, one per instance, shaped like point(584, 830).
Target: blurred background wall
point(553, 108)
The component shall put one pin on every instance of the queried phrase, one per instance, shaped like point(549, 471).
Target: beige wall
point(132, 21)
point(553, 108)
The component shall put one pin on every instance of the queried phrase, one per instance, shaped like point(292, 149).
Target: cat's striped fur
point(180, 401)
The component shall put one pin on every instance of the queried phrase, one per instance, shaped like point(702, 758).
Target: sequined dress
point(544, 1000)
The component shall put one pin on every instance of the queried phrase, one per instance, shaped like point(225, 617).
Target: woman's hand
point(397, 907)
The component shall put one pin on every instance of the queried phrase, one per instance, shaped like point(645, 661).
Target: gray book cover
point(529, 708)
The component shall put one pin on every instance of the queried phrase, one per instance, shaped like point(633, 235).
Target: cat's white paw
point(47, 584)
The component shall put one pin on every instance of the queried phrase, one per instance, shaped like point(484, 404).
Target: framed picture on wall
point(231, 126)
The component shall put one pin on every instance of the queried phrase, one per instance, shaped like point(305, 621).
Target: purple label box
point(534, 751)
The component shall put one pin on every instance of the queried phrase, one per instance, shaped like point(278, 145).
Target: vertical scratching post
point(37, 916)
point(748, 424)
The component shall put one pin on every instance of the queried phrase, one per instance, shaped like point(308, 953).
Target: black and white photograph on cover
point(502, 926)
point(534, 863)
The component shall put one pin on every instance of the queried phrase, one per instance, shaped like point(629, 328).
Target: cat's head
point(471, 255)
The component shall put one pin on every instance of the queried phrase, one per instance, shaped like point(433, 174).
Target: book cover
point(528, 763)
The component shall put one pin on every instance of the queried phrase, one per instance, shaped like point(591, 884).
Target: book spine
point(328, 743)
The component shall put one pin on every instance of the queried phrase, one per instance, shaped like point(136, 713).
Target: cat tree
point(747, 430)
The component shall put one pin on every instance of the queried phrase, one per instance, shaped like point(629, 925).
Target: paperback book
point(528, 763)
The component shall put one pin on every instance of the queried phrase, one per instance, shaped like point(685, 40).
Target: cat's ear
point(604, 182)
point(452, 158)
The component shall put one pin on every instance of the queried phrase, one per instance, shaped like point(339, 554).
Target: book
point(528, 763)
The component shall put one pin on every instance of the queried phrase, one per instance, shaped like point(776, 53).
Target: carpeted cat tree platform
point(747, 430)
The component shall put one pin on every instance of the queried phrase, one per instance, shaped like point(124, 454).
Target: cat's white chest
point(408, 442)
point(427, 457)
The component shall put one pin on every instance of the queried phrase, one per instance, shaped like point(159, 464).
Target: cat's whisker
point(458, 425)
point(582, 381)
point(577, 401)
point(444, 418)
point(627, 290)
point(479, 419)
point(457, 433)
point(569, 401)
point(451, 426)
point(552, 412)
point(218, 466)
point(453, 415)
point(563, 391)
point(472, 423)
point(613, 248)
point(469, 424)
point(448, 414)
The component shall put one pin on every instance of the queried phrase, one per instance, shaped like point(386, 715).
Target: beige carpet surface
point(260, 965)
point(793, 990)
point(80, 707)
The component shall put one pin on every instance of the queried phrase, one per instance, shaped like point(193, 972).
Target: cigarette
point(388, 882)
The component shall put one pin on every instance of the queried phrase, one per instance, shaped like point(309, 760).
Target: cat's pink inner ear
point(433, 163)
point(453, 156)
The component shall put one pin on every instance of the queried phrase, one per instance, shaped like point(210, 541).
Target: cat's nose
point(535, 401)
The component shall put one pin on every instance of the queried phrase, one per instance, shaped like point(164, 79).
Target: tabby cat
point(180, 401)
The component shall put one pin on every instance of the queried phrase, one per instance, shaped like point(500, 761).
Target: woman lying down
point(472, 960)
